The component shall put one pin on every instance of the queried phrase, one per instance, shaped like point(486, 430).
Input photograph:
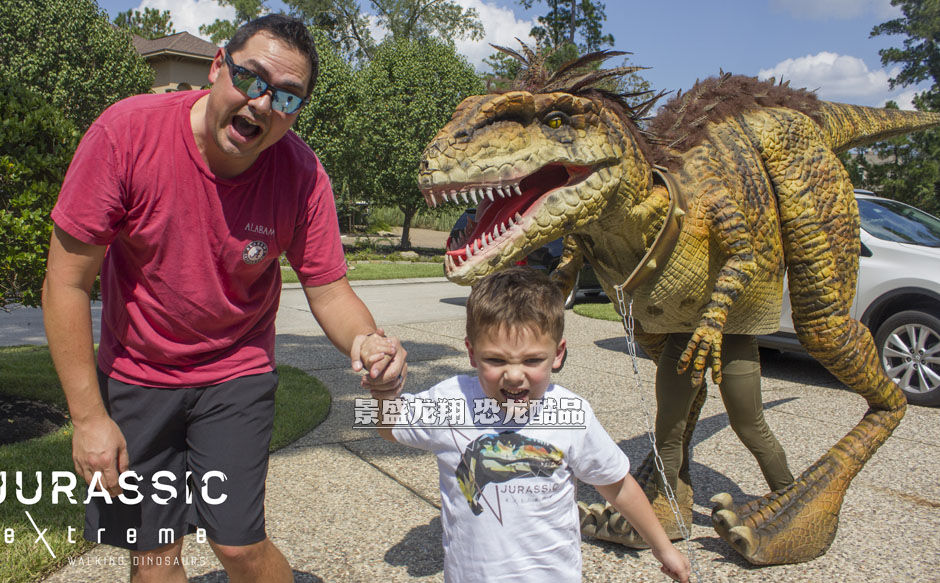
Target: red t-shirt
point(191, 280)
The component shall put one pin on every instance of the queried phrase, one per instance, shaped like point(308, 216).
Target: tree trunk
point(574, 12)
point(406, 228)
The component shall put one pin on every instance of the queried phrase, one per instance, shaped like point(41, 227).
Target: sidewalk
point(345, 506)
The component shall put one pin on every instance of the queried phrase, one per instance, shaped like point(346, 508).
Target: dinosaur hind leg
point(603, 522)
point(819, 225)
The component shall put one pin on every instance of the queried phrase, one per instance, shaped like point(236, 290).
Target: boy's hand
point(675, 564)
point(383, 358)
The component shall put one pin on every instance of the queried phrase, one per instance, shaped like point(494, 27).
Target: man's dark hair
point(290, 30)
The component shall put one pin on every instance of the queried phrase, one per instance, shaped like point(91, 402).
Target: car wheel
point(569, 301)
point(909, 346)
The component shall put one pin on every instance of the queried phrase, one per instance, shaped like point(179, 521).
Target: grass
point(438, 221)
point(364, 271)
point(598, 311)
point(301, 403)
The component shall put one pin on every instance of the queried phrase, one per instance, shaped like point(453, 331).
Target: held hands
point(99, 446)
point(383, 359)
point(675, 564)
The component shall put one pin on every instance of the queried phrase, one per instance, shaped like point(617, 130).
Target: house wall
point(169, 73)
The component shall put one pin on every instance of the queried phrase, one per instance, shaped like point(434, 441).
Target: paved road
point(347, 507)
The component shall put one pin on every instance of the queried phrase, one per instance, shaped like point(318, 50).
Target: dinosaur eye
point(555, 120)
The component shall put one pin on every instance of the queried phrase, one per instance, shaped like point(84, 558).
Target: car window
point(894, 221)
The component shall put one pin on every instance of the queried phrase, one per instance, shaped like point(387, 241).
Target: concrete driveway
point(344, 505)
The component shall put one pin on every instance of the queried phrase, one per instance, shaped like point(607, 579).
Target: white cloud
point(836, 9)
point(189, 15)
point(501, 27)
point(840, 78)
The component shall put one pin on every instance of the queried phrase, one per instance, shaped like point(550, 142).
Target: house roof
point(181, 43)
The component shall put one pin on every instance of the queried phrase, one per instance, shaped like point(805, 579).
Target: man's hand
point(383, 359)
point(99, 446)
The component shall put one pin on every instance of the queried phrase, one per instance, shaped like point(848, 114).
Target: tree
point(570, 29)
point(245, 11)
point(348, 26)
point(151, 23)
point(70, 53)
point(920, 57)
point(567, 20)
point(36, 145)
point(906, 168)
point(406, 94)
point(322, 123)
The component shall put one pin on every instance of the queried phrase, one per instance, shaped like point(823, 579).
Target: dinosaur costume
point(697, 215)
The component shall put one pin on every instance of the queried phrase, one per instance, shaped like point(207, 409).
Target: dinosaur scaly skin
point(764, 193)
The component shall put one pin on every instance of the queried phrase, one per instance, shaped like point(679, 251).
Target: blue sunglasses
point(254, 86)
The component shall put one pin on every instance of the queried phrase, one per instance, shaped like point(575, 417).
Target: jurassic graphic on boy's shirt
point(496, 458)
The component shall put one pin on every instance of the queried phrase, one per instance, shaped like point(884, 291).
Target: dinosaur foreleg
point(733, 236)
point(819, 227)
point(603, 522)
point(566, 273)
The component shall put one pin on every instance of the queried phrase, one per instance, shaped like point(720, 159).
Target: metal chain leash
point(626, 314)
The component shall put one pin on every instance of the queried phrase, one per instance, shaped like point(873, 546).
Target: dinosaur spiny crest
point(582, 77)
point(680, 124)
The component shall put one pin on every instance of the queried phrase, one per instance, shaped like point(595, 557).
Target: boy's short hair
point(518, 297)
point(291, 31)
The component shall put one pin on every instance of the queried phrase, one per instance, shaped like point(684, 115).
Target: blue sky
point(818, 44)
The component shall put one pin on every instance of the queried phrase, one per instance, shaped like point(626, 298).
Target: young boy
point(509, 444)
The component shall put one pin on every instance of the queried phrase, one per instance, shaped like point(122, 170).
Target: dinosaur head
point(537, 166)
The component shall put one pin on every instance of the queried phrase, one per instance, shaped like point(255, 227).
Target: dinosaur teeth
point(468, 251)
point(517, 217)
point(489, 194)
point(495, 232)
point(502, 229)
point(515, 187)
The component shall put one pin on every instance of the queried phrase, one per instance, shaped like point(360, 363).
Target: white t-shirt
point(507, 486)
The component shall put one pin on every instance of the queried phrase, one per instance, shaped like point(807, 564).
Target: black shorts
point(183, 441)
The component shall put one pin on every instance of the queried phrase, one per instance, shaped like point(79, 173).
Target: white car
point(898, 295)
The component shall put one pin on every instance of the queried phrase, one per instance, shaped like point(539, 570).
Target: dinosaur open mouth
point(500, 206)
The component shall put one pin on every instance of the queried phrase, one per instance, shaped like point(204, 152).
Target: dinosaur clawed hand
point(705, 347)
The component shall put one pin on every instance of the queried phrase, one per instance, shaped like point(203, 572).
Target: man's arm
point(350, 327)
point(97, 442)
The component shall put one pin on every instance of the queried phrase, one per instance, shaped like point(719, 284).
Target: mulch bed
point(22, 419)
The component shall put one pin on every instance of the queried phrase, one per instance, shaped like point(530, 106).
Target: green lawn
point(301, 403)
point(365, 271)
point(597, 310)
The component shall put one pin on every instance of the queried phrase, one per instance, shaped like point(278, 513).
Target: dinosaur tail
point(849, 126)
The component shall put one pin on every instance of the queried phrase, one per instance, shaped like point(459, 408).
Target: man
point(185, 201)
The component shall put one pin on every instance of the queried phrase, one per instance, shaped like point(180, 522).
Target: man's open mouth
point(244, 127)
point(500, 206)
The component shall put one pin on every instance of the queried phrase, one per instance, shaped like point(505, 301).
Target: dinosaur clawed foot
point(603, 522)
point(728, 525)
point(791, 525)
